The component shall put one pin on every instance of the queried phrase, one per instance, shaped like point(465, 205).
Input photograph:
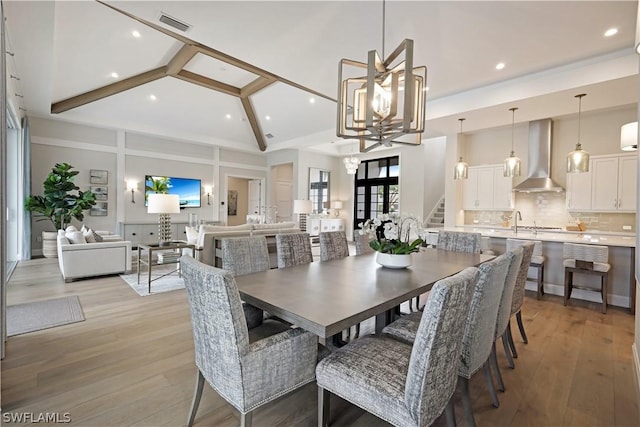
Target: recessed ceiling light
point(228, 116)
point(499, 65)
point(267, 117)
point(135, 33)
point(312, 100)
point(611, 32)
point(153, 97)
point(114, 75)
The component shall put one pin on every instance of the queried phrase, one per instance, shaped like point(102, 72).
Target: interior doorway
point(282, 191)
point(245, 196)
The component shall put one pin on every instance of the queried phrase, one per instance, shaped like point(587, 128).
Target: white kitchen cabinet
point(614, 184)
point(579, 190)
point(487, 189)
point(502, 190)
point(478, 188)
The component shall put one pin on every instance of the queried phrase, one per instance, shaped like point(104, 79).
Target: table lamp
point(164, 205)
point(336, 205)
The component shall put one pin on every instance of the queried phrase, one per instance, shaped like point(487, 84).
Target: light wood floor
point(131, 364)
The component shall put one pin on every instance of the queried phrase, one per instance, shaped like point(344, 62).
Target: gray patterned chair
point(333, 245)
point(402, 384)
point(246, 255)
point(518, 292)
point(293, 249)
point(504, 312)
point(362, 243)
point(459, 241)
point(478, 333)
point(246, 373)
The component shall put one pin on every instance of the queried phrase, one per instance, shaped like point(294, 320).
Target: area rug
point(170, 282)
point(38, 315)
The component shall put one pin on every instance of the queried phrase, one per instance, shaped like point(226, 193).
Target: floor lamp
point(164, 205)
point(302, 208)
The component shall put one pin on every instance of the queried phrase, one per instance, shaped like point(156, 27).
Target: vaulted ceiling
point(244, 74)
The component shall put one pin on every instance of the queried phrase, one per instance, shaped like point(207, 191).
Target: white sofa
point(208, 237)
point(79, 260)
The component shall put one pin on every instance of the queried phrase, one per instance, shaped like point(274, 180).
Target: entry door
point(255, 197)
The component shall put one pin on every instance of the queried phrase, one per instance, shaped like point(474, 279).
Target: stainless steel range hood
point(539, 177)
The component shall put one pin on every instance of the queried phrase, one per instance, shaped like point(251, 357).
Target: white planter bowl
point(393, 260)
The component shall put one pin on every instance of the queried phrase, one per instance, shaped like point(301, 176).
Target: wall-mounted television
point(187, 189)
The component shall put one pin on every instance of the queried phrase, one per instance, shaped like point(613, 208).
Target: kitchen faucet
point(518, 214)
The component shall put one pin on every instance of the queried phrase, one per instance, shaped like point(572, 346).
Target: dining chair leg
point(357, 331)
point(450, 413)
point(507, 350)
point(246, 419)
point(494, 362)
point(512, 345)
point(323, 407)
point(466, 402)
point(521, 327)
point(492, 391)
point(197, 394)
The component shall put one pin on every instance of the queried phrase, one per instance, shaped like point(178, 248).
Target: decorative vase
point(393, 260)
point(50, 244)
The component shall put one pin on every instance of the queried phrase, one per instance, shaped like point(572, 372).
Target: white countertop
point(560, 236)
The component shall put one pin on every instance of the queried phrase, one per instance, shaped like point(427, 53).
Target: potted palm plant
point(61, 202)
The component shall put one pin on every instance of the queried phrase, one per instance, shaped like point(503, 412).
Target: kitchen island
point(621, 257)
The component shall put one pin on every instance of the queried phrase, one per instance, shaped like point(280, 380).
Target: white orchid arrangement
point(390, 233)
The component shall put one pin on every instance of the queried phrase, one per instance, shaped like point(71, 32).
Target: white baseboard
point(550, 288)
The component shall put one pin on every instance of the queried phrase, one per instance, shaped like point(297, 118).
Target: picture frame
point(232, 203)
point(102, 193)
point(99, 209)
point(97, 176)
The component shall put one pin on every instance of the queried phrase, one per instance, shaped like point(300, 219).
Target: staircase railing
point(433, 211)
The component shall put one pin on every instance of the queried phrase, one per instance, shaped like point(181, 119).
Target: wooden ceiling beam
point(108, 90)
point(203, 81)
point(257, 85)
point(253, 121)
point(181, 59)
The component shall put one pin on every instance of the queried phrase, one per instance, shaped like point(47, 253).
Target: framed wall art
point(97, 176)
point(99, 209)
point(101, 192)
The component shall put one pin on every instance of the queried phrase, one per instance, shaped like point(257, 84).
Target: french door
point(376, 189)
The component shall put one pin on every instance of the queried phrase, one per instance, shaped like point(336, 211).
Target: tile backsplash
point(548, 209)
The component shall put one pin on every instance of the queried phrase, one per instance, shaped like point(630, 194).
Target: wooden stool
point(586, 259)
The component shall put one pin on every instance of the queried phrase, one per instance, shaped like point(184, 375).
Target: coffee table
point(150, 261)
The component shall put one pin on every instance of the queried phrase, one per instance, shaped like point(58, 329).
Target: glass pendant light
point(512, 163)
point(461, 170)
point(578, 159)
point(351, 163)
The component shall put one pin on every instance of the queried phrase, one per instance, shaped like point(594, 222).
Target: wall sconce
point(132, 186)
point(336, 205)
point(208, 189)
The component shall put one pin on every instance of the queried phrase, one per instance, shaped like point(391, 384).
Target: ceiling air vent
point(173, 22)
point(269, 135)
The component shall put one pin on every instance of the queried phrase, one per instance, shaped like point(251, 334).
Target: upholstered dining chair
point(362, 243)
point(333, 245)
point(479, 329)
point(246, 373)
point(246, 255)
point(586, 259)
point(504, 312)
point(537, 261)
point(293, 249)
point(518, 291)
point(459, 241)
point(402, 384)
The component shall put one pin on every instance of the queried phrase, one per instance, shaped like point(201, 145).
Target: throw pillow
point(88, 235)
point(75, 237)
point(97, 237)
point(192, 234)
point(70, 229)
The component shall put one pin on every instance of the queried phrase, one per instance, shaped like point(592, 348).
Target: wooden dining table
point(328, 297)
